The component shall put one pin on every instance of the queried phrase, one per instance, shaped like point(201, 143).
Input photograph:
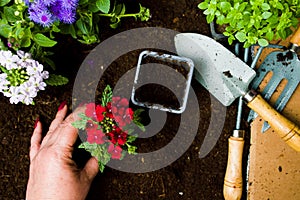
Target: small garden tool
point(234, 190)
point(283, 65)
point(227, 77)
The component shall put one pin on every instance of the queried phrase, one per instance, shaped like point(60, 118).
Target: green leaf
point(241, 36)
point(43, 40)
point(270, 35)
point(56, 80)
point(203, 5)
point(210, 18)
point(131, 149)
point(263, 42)
point(55, 29)
point(5, 30)
point(266, 15)
point(9, 14)
point(49, 62)
point(81, 124)
point(265, 6)
point(4, 2)
point(81, 25)
point(103, 5)
point(120, 9)
point(106, 95)
point(225, 6)
point(25, 42)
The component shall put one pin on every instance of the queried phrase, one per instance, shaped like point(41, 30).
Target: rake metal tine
point(286, 95)
point(282, 100)
point(270, 88)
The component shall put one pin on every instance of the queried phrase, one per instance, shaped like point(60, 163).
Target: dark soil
point(189, 177)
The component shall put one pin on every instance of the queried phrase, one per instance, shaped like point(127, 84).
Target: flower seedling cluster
point(34, 24)
point(21, 77)
point(108, 131)
point(253, 21)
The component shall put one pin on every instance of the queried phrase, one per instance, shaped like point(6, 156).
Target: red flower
point(124, 102)
point(115, 151)
point(118, 136)
point(96, 112)
point(122, 114)
point(94, 135)
point(90, 111)
point(100, 112)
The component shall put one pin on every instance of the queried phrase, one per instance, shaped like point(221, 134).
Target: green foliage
point(254, 21)
point(18, 32)
point(56, 80)
point(87, 27)
point(106, 95)
point(98, 151)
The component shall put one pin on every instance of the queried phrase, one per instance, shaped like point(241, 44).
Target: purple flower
point(39, 13)
point(44, 17)
point(67, 16)
point(45, 12)
point(72, 4)
point(48, 2)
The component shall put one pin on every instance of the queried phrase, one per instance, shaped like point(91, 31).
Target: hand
point(53, 174)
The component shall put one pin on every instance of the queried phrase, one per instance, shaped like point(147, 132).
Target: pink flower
point(115, 151)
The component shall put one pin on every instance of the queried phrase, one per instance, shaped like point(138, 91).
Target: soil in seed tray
point(154, 94)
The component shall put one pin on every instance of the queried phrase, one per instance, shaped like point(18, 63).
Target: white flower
point(38, 82)
point(30, 77)
point(14, 94)
point(23, 55)
point(45, 74)
point(8, 60)
point(28, 89)
point(34, 68)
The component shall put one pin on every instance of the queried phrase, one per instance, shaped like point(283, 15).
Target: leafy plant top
point(254, 21)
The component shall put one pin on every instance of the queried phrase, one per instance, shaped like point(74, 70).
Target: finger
point(35, 142)
point(91, 169)
point(60, 115)
point(68, 133)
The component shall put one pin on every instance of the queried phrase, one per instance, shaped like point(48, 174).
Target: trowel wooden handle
point(295, 39)
point(233, 182)
point(286, 129)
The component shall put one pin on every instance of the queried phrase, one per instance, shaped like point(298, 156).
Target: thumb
point(91, 168)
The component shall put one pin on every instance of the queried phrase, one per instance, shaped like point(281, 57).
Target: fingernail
point(36, 122)
point(62, 105)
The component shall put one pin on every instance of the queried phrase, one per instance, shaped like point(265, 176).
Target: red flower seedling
point(107, 127)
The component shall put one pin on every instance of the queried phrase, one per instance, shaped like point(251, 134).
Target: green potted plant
point(254, 21)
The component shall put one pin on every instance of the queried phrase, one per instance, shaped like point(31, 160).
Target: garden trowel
point(227, 78)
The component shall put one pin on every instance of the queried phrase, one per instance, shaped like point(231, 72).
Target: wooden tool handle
point(295, 39)
point(233, 182)
point(286, 129)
